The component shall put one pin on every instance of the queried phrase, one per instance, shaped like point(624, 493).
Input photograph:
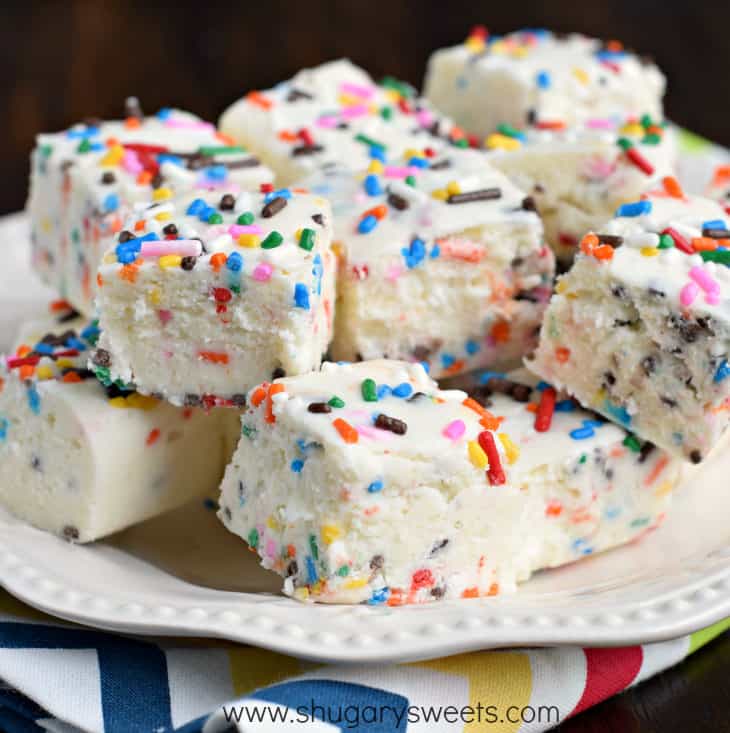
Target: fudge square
point(205, 296)
point(638, 329)
point(535, 76)
point(332, 114)
point(84, 181)
point(82, 461)
point(441, 260)
point(365, 482)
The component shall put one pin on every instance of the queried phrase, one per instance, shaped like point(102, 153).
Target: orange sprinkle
point(23, 350)
point(26, 371)
point(259, 100)
point(2, 384)
point(227, 139)
point(214, 357)
point(472, 592)
point(153, 437)
point(396, 597)
point(500, 332)
point(488, 421)
point(378, 212)
point(288, 136)
point(661, 464)
point(128, 272)
point(614, 46)
point(218, 260)
point(456, 367)
point(705, 244)
point(672, 187)
point(259, 394)
point(60, 305)
point(588, 243)
point(562, 354)
point(554, 508)
point(140, 225)
point(144, 178)
point(531, 407)
point(70, 377)
point(273, 389)
point(131, 123)
point(603, 252)
point(99, 280)
point(722, 175)
point(493, 589)
point(346, 431)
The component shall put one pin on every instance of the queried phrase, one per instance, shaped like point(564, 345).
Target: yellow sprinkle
point(392, 95)
point(356, 583)
point(141, 401)
point(649, 251)
point(476, 455)
point(349, 100)
point(453, 188)
point(581, 75)
point(44, 372)
point(412, 153)
point(272, 524)
point(154, 296)
point(301, 594)
point(330, 532)
point(499, 47)
point(162, 193)
point(249, 240)
point(114, 156)
point(664, 489)
point(64, 364)
point(169, 261)
point(118, 402)
point(511, 450)
point(520, 51)
point(633, 128)
point(440, 194)
point(502, 142)
point(561, 287)
point(375, 167)
point(474, 44)
point(163, 216)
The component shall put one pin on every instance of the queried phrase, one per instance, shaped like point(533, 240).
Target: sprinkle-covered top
point(671, 244)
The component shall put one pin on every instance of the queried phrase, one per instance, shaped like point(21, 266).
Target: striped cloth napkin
point(65, 678)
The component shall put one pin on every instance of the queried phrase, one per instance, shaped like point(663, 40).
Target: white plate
point(185, 575)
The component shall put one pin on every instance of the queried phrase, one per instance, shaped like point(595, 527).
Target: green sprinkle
point(273, 239)
point(651, 139)
point(386, 113)
point(245, 219)
point(508, 130)
point(306, 239)
point(624, 143)
point(722, 256)
point(235, 288)
point(665, 242)
point(253, 538)
point(336, 402)
point(369, 141)
point(461, 143)
point(583, 458)
point(646, 121)
point(641, 522)
point(410, 181)
point(46, 150)
point(249, 431)
point(211, 150)
point(632, 443)
point(313, 547)
point(369, 390)
point(344, 571)
point(215, 218)
point(84, 146)
point(403, 88)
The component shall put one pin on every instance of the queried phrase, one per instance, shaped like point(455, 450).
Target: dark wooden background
point(62, 61)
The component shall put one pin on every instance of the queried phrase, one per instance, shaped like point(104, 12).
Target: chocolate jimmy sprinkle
point(273, 207)
point(295, 94)
point(393, 424)
point(227, 202)
point(611, 239)
point(398, 202)
point(482, 194)
point(70, 316)
point(716, 233)
point(319, 407)
point(306, 150)
point(440, 164)
point(528, 204)
point(318, 219)
point(251, 162)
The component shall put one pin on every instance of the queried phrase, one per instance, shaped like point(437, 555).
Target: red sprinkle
point(679, 241)
point(422, 579)
point(545, 409)
point(153, 437)
point(222, 295)
point(19, 361)
point(495, 472)
point(640, 161)
point(267, 187)
point(306, 137)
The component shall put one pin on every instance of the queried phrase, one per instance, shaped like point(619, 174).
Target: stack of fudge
point(265, 308)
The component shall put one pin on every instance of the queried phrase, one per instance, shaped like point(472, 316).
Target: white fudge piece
point(536, 76)
point(579, 175)
point(364, 482)
point(82, 461)
point(205, 297)
point(451, 270)
point(641, 333)
point(85, 180)
point(331, 114)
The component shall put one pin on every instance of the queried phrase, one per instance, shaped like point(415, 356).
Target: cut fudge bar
point(85, 180)
point(332, 114)
point(364, 482)
point(203, 297)
point(638, 329)
point(441, 260)
point(534, 76)
point(82, 461)
point(579, 175)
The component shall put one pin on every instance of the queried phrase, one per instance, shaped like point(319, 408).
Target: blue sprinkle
point(415, 253)
point(111, 202)
point(74, 343)
point(83, 131)
point(301, 296)
point(372, 185)
point(318, 272)
point(297, 465)
point(34, 399)
point(564, 406)
point(377, 153)
point(426, 366)
point(4, 424)
point(582, 547)
point(636, 208)
point(722, 373)
point(582, 433)
point(619, 413)
point(126, 256)
point(91, 332)
point(379, 596)
point(97, 147)
point(311, 570)
point(383, 391)
point(45, 349)
point(447, 360)
point(216, 172)
point(435, 252)
point(403, 390)
point(164, 113)
point(593, 423)
point(612, 512)
point(484, 377)
point(196, 207)
point(367, 224)
point(205, 213)
point(605, 55)
point(418, 162)
point(168, 158)
point(472, 347)
point(234, 261)
point(542, 386)
point(713, 224)
point(543, 80)
point(375, 486)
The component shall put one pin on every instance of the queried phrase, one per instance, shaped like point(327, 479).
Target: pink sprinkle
point(357, 110)
point(130, 162)
point(454, 430)
point(208, 184)
point(393, 273)
point(688, 294)
point(182, 247)
point(712, 298)
point(271, 548)
point(183, 124)
point(704, 280)
point(600, 123)
point(235, 230)
point(262, 272)
point(165, 316)
point(424, 117)
point(399, 171)
point(327, 121)
point(357, 90)
point(368, 431)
